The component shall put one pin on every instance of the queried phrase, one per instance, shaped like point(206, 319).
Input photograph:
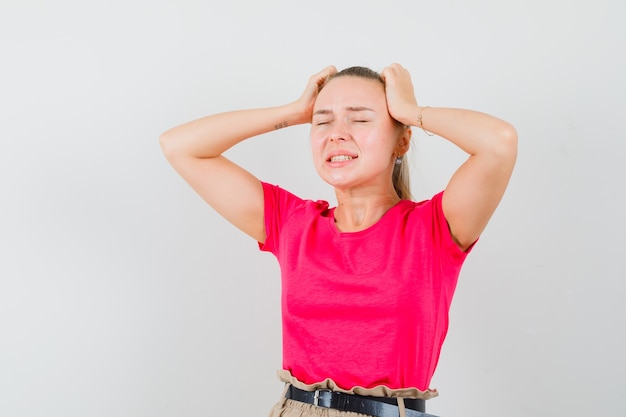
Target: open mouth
point(341, 158)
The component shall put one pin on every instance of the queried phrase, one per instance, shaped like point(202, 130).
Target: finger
point(386, 72)
point(322, 77)
point(327, 72)
point(331, 69)
point(383, 74)
point(391, 72)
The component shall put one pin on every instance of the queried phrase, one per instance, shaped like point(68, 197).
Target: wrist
point(286, 115)
point(407, 114)
point(296, 114)
point(420, 119)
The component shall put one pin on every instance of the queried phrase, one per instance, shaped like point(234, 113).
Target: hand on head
point(316, 81)
point(399, 92)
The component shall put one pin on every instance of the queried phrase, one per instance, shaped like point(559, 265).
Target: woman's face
point(354, 140)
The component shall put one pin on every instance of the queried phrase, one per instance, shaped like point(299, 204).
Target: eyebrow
point(349, 108)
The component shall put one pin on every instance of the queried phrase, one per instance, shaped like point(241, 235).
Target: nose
point(337, 137)
point(339, 133)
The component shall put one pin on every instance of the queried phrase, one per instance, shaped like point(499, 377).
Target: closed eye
point(322, 121)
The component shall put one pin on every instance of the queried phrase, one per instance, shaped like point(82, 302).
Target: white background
point(123, 294)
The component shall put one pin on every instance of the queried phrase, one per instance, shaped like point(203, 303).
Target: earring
point(398, 160)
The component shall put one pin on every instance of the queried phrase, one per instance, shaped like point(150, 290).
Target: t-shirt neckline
point(370, 229)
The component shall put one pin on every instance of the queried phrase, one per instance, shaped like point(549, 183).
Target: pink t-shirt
point(366, 308)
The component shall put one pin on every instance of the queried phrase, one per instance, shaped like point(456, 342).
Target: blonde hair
point(400, 179)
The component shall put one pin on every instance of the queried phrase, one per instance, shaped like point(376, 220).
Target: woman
point(367, 284)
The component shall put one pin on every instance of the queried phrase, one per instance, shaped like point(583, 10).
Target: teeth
point(339, 158)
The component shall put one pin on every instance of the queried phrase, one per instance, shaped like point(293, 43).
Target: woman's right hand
point(195, 149)
point(307, 100)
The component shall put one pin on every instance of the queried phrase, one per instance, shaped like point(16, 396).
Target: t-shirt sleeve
point(279, 205)
point(449, 248)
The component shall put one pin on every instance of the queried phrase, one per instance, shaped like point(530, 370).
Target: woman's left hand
point(401, 101)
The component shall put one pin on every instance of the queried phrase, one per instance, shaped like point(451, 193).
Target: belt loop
point(401, 407)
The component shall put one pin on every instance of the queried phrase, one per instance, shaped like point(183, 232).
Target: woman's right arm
point(195, 150)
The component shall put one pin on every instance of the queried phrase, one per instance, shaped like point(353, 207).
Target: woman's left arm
point(477, 186)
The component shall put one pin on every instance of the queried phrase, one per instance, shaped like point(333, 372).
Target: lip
point(340, 153)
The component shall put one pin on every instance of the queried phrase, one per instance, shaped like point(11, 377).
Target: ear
point(404, 141)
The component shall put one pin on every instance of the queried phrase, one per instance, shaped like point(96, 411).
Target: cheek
point(377, 139)
point(317, 146)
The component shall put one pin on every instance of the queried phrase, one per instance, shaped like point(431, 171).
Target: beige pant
point(290, 408)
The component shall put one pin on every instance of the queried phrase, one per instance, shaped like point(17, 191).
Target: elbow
point(166, 142)
point(506, 142)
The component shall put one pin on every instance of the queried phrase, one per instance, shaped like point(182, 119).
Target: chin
point(338, 183)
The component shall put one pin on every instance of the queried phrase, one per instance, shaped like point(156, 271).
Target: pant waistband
point(373, 406)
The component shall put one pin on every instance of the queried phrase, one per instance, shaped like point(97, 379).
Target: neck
point(358, 211)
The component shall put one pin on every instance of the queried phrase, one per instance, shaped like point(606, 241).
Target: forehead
point(351, 91)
